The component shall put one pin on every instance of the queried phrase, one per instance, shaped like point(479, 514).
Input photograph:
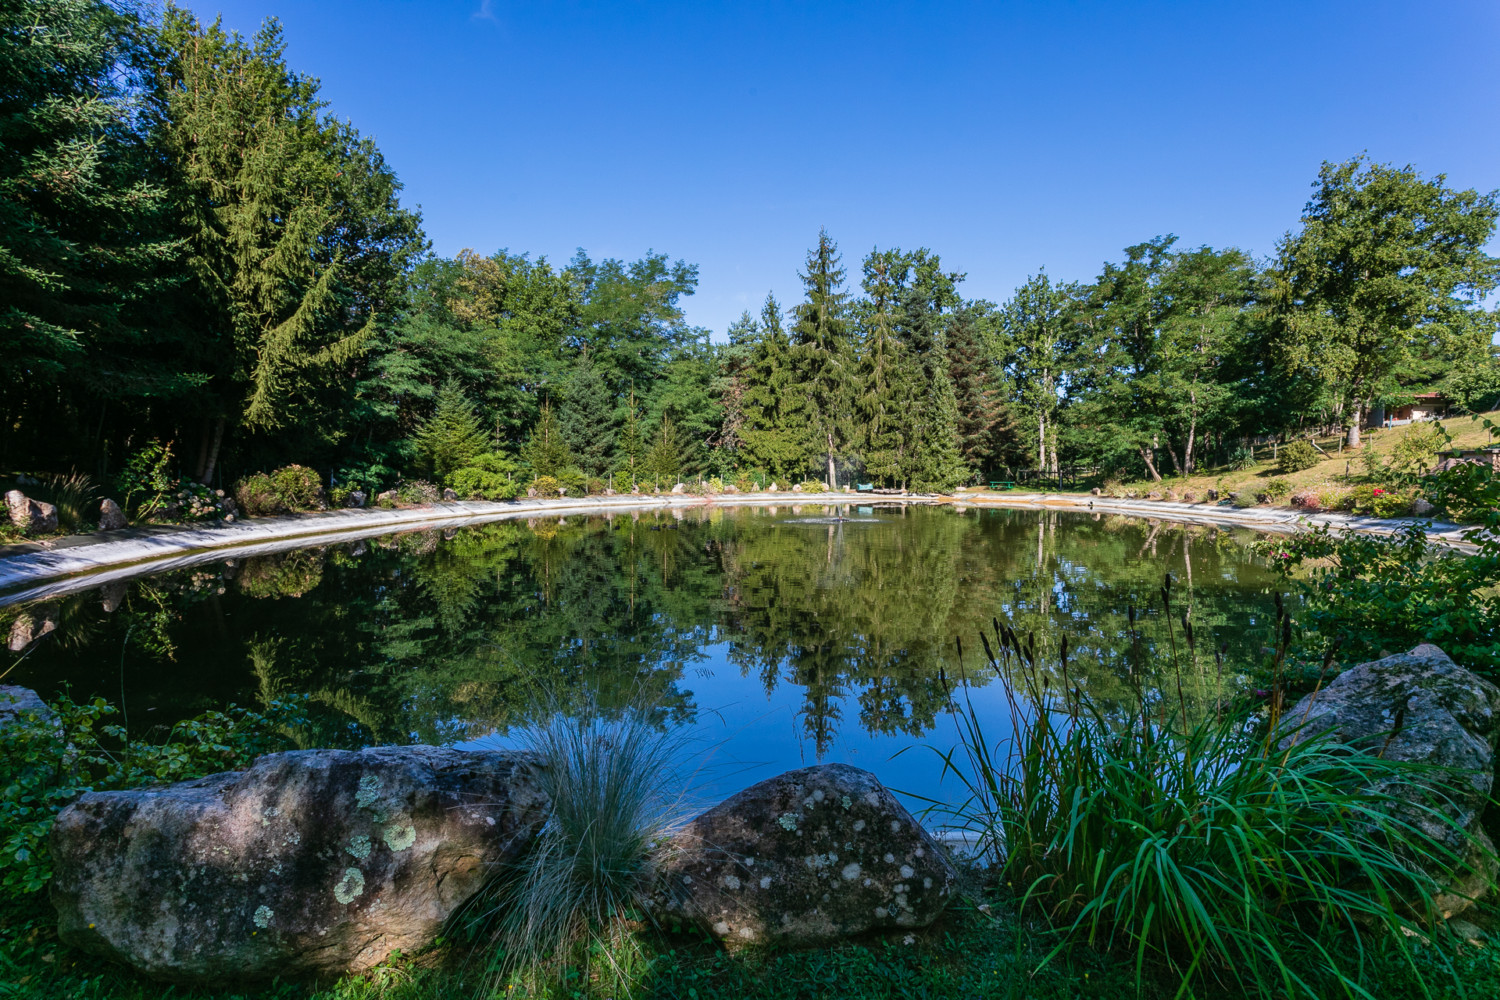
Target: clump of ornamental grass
point(571, 905)
point(1220, 850)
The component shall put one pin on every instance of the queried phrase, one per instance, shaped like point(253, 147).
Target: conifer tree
point(774, 429)
point(825, 355)
point(452, 436)
point(631, 444)
point(980, 410)
point(883, 383)
point(546, 450)
point(665, 458)
point(584, 417)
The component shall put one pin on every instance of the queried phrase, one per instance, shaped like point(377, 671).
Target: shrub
point(417, 492)
point(716, 485)
point(813, 486)
point(595, 486)
point(1331, 496)
point(299, 488)
point(1295, 456)
point(574, 481)
point(144, 483)
point(478, 484)
point(1416, 451)
point(745, 484)
point(1379, 501)
point(257, 495)
point(1244, 498)
point(1275, 490)
point(612, 783)
point(1200, 846)
point(1242, 458)
point(74, 494)
point(546, 486)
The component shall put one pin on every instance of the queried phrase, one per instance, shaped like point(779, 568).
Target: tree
point(584, 417)
point(825, 356)
point(1036, 339)
point(85, 229)
point(888, 382)
point(980, 412)
point(453, 435)
point(1388, 270)
point(631, 445)
point(665, 458)
point(775, 427)
point(546, 450)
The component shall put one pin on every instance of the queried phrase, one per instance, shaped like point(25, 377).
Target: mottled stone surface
point(111, 517)
point(808, 857)
point(310, 862)
point(16, 700)
point(1421, 706)
point(31, 516)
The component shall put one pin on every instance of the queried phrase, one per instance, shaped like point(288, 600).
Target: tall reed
point(1226, 853)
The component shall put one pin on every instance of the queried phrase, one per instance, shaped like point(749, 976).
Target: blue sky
point(1004, 136)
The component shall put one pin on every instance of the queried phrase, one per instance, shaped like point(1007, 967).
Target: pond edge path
point(38, 570)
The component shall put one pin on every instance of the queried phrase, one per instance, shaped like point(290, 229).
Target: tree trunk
point(213, 452)
point(1356, 413)
point(1187, 452)
point(832, 480)
point(1150, 465)
point(202, 451)
point(1176, 462)
point(1041, 442)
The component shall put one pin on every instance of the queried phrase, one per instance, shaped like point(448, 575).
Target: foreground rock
point(808, 857)
point(1421, 706)
point(18, 702)
point(111, 517)
point(31, 516)
point(311, 862)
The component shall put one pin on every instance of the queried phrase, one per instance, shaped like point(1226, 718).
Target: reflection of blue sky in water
point(743, 735)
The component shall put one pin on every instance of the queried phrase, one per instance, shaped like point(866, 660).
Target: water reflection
point(786, 635)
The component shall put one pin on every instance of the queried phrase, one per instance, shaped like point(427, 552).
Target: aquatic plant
point(1227, 855)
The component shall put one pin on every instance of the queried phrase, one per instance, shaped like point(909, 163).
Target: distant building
point(1424, 406)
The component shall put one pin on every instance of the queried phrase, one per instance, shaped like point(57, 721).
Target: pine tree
point(665, 458)
point(734, 362)
point(824, 356)
point(939, 465)
point(882, 381)
point(546, 450)
point(452, 436)
point(584, 418)
point(775, 425)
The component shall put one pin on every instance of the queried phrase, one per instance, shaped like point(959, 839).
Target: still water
point(779, 636)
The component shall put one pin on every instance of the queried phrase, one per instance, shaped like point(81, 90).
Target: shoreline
point(38, 570)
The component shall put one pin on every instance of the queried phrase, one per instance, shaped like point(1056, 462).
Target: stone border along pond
point(39, 570)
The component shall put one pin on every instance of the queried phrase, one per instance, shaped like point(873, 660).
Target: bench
point(1002, 484)
point(864, 487)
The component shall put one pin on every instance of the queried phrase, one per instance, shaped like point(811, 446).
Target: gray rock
point(16, 701)
point(773, 488)
point(32, 516)
point(357, 498)
point(679, 488)
point(30, 626)
point(449, 494)
point(111, 517)
point(312, 862)
point(389, 496)
point(808, 857)
point(1421, 508)
point(1421, 706)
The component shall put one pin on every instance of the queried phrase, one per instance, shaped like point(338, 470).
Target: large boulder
point(32, 516)
point(111, 517)
point(311, 862)
point(811, 856)
point(17, 702)
point(1421, 706)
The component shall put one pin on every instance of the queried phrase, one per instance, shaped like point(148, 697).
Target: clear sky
point(1004, 136)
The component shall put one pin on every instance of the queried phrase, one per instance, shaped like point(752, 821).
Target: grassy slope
point(964, 956)
point(1466, 432)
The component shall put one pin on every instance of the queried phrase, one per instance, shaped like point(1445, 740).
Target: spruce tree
point(584, 418)
point(774, 404)
point(452, 436)
point(825, 355)
point(665, 457)
point(884, 406)
point(546, 450)
point(980, 410)
point(632, 447)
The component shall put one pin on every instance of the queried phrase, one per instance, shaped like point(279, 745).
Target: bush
point(1244, 498)
point(1275, 490)
point(813, 486)
point(1416, 451)
point(417, 493)
point(574, 481)
point(716, 485)
point(1295, 456)
point(546, 486)
point(144, 483)
point(1242, 458)
point(1203, 846)
point(479, 484)
point(257, 495)
point(299, 488)
point(595, 486)
point(1379, 501)
point(745, 484)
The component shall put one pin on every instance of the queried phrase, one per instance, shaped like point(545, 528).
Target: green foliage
point(584, 417)
point(611, 781)
point(1415, 452)
point(1275, 491)
point(546, 486)
point(1245, 498)
point(1380, 501)
point(472, 483)
point(452, 437)
point(47, 761)
point(1295, 456)
point(75, 496)
point(1372, 593)
point(417, 492)
point(1242, 458)
point(144, 483)
point(664, 460)
point(546, 450)
point(1199, 846)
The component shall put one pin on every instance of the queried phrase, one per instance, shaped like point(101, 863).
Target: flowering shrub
point(196, 502)
point(1381, 501)
point(289, 489)
point(417, 492)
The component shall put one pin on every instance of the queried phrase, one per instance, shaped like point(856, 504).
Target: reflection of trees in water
point(428, 637)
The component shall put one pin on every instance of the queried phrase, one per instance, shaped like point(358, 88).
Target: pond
point(780, 636)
